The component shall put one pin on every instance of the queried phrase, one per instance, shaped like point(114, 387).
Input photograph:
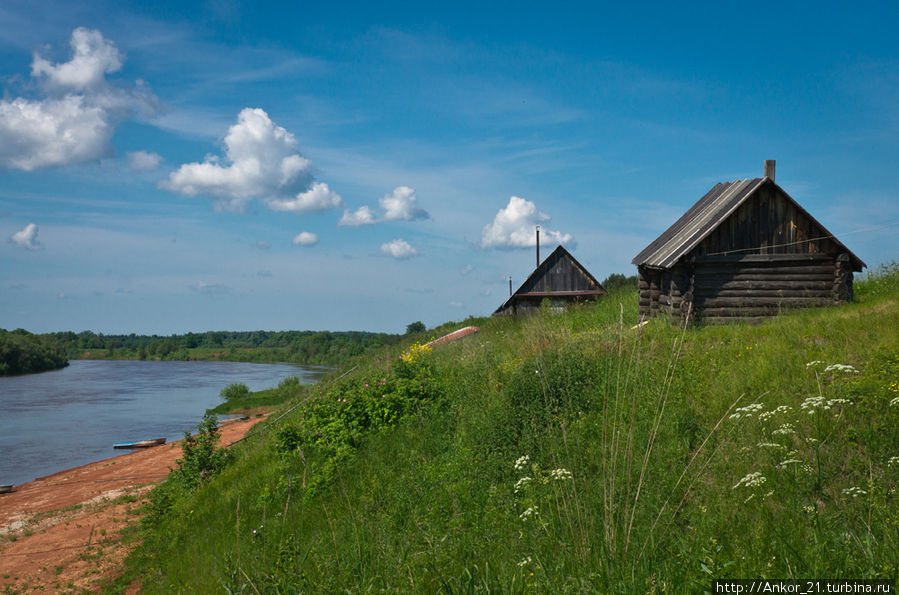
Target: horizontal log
point(706, 292)
point(764, 258)
point(755, 311)
point(740, 302)
point(642, 285)
point(735, 320)
point(717, 269)
point(706, 279)
point(769, 285)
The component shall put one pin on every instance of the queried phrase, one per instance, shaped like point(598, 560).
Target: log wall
point(760, 286)
point(730, 288)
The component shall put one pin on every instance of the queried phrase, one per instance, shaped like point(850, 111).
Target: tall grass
point(568, 452)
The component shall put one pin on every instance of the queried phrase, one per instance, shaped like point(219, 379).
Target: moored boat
point(140, 443)
point(6, 487)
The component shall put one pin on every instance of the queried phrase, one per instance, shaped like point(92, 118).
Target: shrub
point(234, 391)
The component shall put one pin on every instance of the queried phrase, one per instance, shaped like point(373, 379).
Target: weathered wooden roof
point(703, 217)
point(532, 286)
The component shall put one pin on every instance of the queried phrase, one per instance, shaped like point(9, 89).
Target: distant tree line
point(22, 352)
point(305, 347)
point(617, 281)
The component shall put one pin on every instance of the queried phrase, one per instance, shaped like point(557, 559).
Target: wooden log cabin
point(745, 250)
point(560, 279)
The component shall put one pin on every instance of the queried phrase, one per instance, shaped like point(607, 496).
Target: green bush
point(234, 391)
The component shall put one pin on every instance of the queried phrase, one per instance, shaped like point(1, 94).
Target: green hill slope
point(565, 452)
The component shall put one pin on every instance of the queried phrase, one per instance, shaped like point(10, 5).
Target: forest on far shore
point(22, 352)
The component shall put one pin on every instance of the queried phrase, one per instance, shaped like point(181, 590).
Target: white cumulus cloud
point(305, 238)
point(317, 199)
point(361, 216)
point(399, 249)
point(399, 205)
point(143, 160)
point(402, 205)
point(513, 227)
point(76, 116)
point(26, 238)
point(262, 160)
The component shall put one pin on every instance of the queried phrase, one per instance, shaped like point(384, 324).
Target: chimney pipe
point(538, 245)
point(510, 285)
point(769, 169)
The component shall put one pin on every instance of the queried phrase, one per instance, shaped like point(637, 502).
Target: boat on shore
point(140, 443)
point(6, 488)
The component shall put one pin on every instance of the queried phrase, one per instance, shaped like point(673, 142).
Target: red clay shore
point(61, 533)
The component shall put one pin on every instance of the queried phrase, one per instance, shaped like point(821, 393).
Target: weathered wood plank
point(702, 279)
point(743, 302)
point(734, 320)
point(706, 292)
point(818, 269)
point(767, 284)
point(754, 258)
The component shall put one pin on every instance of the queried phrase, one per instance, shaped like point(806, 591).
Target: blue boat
point(140, 443)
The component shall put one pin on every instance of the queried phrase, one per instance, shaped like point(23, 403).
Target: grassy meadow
point(563, 452)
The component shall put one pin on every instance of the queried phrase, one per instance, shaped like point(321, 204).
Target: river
point(56, 420)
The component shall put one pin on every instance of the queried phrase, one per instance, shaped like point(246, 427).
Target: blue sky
point(246, 165)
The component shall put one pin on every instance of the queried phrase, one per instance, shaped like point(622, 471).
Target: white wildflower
point(560, 474)
point(772, 445)
point(521, 483)
point(809, 509)
point(747, 411)
point(854, 491)
point(532, 511)
point(766, 415)
point(811, 404)
point(522, 462)
point(753, 480)
point(893, 461)
point(813, 363)
point(784, 430)
point(783, 464)
point(894, 402)
point(525, 561)
point(841, 368)
point(832, 402)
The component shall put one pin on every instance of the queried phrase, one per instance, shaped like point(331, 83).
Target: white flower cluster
point(841, 368)
point(560, 474)
point(809, 509)
point(747, 411)
point(894, 402)
point(854, 491)
point(766, 415)
point(784, 430)
point(525, 561)
point(893, 461)
point(522, 462)
point(772, 445)
point(521, 483)
point(813, 363)
point(813, 403)
point(530, 512)
point(783, 464)
point(753, 480)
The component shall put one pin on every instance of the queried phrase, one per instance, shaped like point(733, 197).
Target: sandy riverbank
point(60, 533)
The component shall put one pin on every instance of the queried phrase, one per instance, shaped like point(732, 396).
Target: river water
point(65, 418)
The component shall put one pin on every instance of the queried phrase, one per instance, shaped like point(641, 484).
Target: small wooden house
point(560, 279)
point(745, 250)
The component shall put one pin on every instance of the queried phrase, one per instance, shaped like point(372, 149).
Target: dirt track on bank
point(61, 533)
